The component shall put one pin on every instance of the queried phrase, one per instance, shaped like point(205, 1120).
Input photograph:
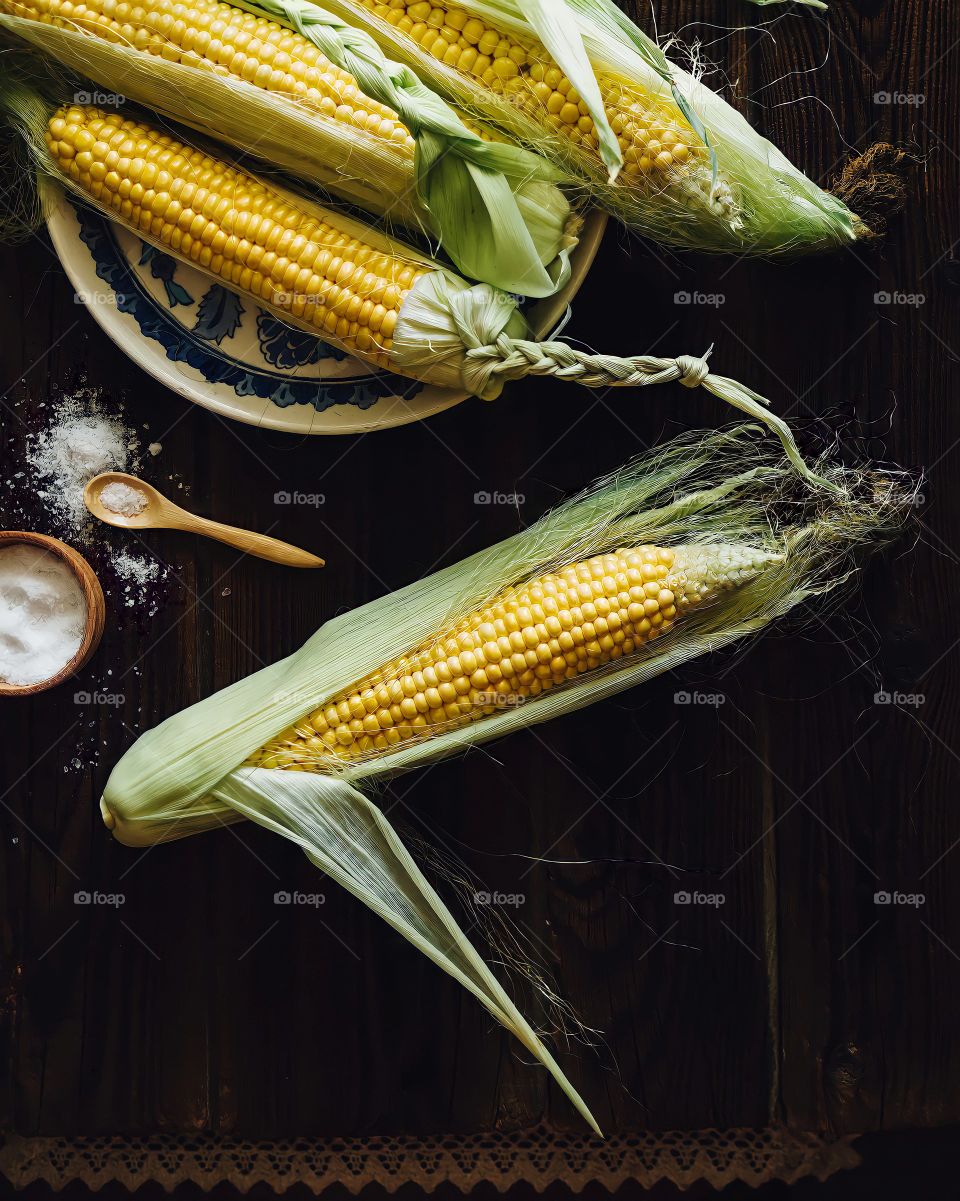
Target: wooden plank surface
point(200, 1004)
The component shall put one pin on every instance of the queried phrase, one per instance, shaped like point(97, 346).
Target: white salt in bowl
point(92, 595)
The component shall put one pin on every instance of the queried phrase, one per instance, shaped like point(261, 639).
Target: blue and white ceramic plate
point(227, 354)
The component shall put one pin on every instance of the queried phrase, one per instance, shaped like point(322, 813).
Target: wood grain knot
point(845, 1071)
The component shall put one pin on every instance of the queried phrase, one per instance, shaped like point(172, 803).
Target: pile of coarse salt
point(80, 442)
point(43, 614)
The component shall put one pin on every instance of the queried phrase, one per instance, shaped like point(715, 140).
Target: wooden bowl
point(92, 594)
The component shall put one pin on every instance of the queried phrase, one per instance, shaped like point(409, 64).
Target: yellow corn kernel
point(227, 40)
point(530, 639)
point(660, 150)
point(237, 227)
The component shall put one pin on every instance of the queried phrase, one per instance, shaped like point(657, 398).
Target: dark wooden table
point(196, 1007)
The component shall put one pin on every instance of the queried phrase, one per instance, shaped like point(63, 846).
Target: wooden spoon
point(162, 514)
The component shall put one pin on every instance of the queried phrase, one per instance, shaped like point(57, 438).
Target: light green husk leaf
point(557, 29)
point(781, 210)
point(494, 207)
point(559, 33)
point(349, 838)
point(473, 188)
point(449, 333)
point(773, 209)
point(725, 487)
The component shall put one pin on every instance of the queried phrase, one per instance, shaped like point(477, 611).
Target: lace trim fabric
point(537, 1157)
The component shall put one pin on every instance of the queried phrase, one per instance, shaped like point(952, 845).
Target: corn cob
point(661, 153)
point(218, 37)
point(714, 519)
point(236, 228)
point(580, 82)
point(211, 64)
point(322, 271)
point(528, 640)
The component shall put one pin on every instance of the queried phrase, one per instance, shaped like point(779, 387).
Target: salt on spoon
point(120, 498)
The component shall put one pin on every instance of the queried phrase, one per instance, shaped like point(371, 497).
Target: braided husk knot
point(487, 368)
point(693, 370)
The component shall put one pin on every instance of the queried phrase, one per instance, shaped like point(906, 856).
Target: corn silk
point(717, 490)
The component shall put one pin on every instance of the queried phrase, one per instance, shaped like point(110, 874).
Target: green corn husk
point(749, 199)
point(717, 489)
point(494, 207)
point(449, 333)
